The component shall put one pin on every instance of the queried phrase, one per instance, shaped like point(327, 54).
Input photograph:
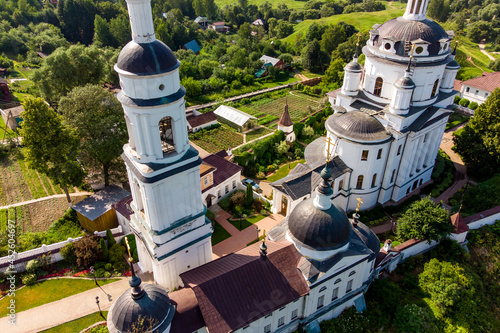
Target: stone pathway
point(481, 47)
point(56, 313)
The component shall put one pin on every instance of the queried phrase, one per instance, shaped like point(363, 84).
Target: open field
point(291, 4)
point(216, 139)
point(363, 21)
point(298, 106)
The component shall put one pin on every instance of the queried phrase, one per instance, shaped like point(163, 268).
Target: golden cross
point(412, 50)
point(359, 203)
point(328, 148)
point(359, 36)
point(458, 37)
point(130, 259)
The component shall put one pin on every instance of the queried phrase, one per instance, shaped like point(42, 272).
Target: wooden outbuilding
point(96, 212)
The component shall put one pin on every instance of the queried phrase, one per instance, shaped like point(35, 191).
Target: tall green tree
point(50, 147)
point(98, 119)
point(249, 195)
point(424, 220)
point(439, 10)
point(102, 33)
point(479, 143)
point(77, 20)
point(66, 69)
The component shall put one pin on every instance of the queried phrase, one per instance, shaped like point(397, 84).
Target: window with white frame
point(218, 194)
point(335, 294)
point(349, 286)
point(267, 328)
point(205, 181)
point(295, 313)
point(321, 302)
point(281, 321)
point(234, 184)
point(227, 189)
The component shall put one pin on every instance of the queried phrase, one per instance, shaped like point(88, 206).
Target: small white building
point(235, 118)
point(197, 122)
point(479, 88)
point(285, 124)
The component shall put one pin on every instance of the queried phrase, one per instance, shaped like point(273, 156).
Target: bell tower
point(173, 234)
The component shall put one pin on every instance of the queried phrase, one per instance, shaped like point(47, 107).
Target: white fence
point(19, 259)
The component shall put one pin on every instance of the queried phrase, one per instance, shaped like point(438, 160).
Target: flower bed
point(58, 274)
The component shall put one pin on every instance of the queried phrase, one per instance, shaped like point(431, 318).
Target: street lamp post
point(99, 307)
point(95, 280)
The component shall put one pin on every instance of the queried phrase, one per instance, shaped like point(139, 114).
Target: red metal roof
point(242, 287)
point(202, 119)
point(458, 223)
point(482, 215)
point(488, 81)
point(285, 119)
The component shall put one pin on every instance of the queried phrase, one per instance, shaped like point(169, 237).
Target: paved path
point(203, 153)
point(64, 310)
point(299, 75)
point(240, 240)
point(481, 47)
point(221, 217)
point(45, 198)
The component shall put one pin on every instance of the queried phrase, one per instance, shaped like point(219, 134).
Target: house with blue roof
point(193, 46)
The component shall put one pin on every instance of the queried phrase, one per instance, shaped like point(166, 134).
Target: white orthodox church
point(316, 262)
point(389, 116)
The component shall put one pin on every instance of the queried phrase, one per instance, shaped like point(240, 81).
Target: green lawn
point(243, 224)
point(472, 49)
point(219, 234)
point(363, 21)
point(78, 325)
point(48, 291)
point(283, 171)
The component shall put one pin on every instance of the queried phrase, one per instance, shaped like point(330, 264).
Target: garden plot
point(299, 106)
point(217, 139)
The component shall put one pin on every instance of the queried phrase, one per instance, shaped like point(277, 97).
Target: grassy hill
point(363, 21)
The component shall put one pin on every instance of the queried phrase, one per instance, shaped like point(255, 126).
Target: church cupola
point(402, 94)
point(416, 10)
point(352, 76)
point(450, 73)
point(285, 124)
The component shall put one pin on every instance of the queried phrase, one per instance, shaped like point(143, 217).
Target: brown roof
point(457, 85)
point(406, 244)
point(488, 81)
point(187, 316)
point(224, 168)
point(482, 215)
point(242, 287)
point(285, 118)
point(16, 111)
point(202, 119)
point(205, 168)
point(333, 93)
point(222, 153)
point(123, 207)
point(458, 223)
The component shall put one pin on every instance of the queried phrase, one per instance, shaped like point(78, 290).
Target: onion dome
point(147, 58)
point(406, 31)
point(453, 65)
point(318, 229)
point(405, 82)
point(356, 125)
point(150, 303)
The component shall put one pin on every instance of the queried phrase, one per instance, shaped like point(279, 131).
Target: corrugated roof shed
point(193, 46)
point(233, 115)
point(268, 59)
point(100, 202)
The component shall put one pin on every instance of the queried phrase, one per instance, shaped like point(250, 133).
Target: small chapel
point(317, 261)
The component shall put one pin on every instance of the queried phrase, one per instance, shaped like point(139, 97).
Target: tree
point(102, 33)
point(249, 195)
point(307, 131)
point(335, 72)
point(333, 36)
point(478, 31)
point(66, 69)
point(479, 143)
point(77, 20)
point(439, 10)
point(88, 250)
point(312, 56)
point(282, 147)
point(425, 221)
point(193, 87)
point(97, 117)
point(48, 146)
point(494, 65)
point(446, 283)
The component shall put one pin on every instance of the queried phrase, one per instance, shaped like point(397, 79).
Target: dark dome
point(147, 58)
point(357, 125)
point(453, 65)
point(405, 82)
point(319, 229)
point(368, 237)
point(403, 30)
point(154, 304)
point(354, 66)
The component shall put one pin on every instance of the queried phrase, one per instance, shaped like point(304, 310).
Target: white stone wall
point(474, 94)
point(222, 188)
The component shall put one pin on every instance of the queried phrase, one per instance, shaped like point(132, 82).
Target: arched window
point(322, 289)
point(338, 281)
point(435, 88)
point(166, 135)
point(374, 180)
point(352, 273)
point(359, 184)
point(378, 86)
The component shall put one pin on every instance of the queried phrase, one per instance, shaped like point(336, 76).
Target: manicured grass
point(48, 291)
point(363, 21)
point(78, 325)
point(257, 133)
point(249, 221)
point(219, 233)
point(456, 119)
point(283, 171)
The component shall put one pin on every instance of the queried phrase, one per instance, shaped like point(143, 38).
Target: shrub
point(99, 265)
point(32, 266)
point(457, 99)
point(111, 240)
point(88, 250)
point(116, 253)
point(464, 102)
point(29, 279)
point(99, 273)
point(104, 249)
point(120, 266)
point(238, 198)
point(107, 274)
point(473, 105)
point(68, 253)
point(108, 267)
